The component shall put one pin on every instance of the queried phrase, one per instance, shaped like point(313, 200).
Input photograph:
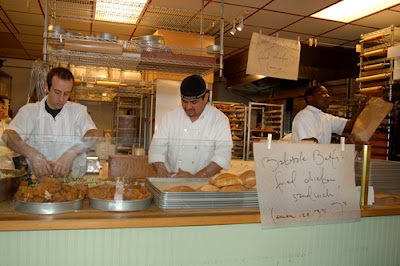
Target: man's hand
point(64, 163)
point(40, 165)
point(182, 173)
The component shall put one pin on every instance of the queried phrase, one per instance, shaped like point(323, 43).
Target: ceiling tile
point(73, 26)
point(8, 41)
point(293, 36)
point(21, 6)
point(253, 3)
point(313, 26)
point(381, 20)
point(114, 29)
point(13, 53)
point(269, 19)
point(32, 30)
point(396, 8)
point(235, 42)
point(33, 46)
point(25, 38)
point(230, 11)
point(348, 32)
point(26, 18)
point(330, 42)
point(303, 7)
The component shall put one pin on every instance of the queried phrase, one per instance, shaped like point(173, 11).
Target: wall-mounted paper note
point(273, 57)
point(305, 184)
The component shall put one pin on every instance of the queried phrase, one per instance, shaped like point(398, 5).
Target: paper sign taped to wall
point(305, 184)
point(273, 57)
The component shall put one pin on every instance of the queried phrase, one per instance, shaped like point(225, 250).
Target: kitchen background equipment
point(9, 182)
point(106, 36)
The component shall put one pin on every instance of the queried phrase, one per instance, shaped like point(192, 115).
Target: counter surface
point(89, 218)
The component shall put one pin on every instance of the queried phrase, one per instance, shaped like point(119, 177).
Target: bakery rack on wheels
point(237, 115)
point(376, 79)
point(151, 58)
point(263, 119)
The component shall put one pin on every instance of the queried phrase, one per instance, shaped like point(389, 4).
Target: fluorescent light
point(124, 11)
point(349, 10)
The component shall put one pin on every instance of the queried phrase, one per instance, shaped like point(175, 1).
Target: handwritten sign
point(273, 57)
point(304, 184)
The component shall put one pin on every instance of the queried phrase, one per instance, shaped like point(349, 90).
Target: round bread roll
point(233, 188)
point(251, 181)
point(179, 189)
point(248, 173)
point(207, 188)
point(227, 179)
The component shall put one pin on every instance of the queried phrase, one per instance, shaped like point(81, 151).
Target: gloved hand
point(40, 165)
point(63, 165)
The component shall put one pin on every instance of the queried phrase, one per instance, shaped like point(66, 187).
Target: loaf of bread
point(233, 188)
point(179, 189)
point(253, 188)
point(251, 181)
point(227, 179)
point(207, 188)
point(248, 173)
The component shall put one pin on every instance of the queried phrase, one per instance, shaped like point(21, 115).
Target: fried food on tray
point(130, 192)
point(179, 189)
point(50, 190)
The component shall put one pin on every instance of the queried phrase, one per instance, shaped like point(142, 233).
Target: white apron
point(52, 147)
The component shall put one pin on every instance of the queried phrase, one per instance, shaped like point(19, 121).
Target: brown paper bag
point(370, 118)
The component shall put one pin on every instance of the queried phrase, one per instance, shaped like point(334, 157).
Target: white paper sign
point(305, 184)
point(273, 57)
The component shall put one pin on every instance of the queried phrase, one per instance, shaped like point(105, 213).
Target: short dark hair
point(61, 72)
point(2, 100)
point(311, 90)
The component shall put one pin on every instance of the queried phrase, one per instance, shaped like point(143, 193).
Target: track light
point(240, 26)
point(233, 30)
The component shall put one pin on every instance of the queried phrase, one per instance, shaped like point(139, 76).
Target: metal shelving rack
point(136, 55)
point(263, 119)
point(376, 79)
point(237, 114)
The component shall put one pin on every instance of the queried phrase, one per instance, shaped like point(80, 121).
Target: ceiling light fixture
point(127, 11)
point(233, 30)
point(349, 10)
point(240, 25)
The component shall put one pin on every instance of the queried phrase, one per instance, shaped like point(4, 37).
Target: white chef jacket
point(180, 143)
point(53, 136)
point(311, 122)
point(6, 153)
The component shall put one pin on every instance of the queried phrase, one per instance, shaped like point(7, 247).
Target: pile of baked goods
point(129, 192)
point(224, 182)
point(50, 190)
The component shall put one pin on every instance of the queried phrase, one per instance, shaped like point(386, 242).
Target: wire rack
point(151, 16)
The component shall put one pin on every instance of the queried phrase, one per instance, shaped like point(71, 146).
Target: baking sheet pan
point(187, 200)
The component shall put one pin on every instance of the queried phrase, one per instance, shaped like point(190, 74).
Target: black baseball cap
point(193, 87)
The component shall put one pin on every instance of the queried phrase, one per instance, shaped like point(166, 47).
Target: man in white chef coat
point(193, 140)
point(312, 123)
point(49, 133)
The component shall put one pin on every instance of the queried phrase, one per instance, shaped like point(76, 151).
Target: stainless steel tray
point(119, 205)
point(187, 200)
point(48, 207)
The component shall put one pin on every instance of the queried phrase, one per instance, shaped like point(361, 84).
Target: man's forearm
point(211, 169)
point(88, 140)
point(160, 169)
point(14, 142)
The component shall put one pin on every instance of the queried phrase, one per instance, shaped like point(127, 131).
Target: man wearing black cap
point(193, 140)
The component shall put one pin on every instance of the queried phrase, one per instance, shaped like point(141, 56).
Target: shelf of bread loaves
point(236, 113)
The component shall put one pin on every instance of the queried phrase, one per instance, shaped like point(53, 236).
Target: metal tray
point(119, 205)
point(48, 207)
point(187, 200)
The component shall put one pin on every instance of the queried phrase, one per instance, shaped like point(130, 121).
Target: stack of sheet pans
point(383, 175)
point(196, 200)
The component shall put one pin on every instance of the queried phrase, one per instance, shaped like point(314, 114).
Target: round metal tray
point(48, 207)
point(119, 205)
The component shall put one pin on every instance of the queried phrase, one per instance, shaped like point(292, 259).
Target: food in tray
point(180, 189)
point(207, 188)
point(248, 173)
point(253, 188)
point(269, 129)
point(129, 192)
point(50, 190)
point(234, 137)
